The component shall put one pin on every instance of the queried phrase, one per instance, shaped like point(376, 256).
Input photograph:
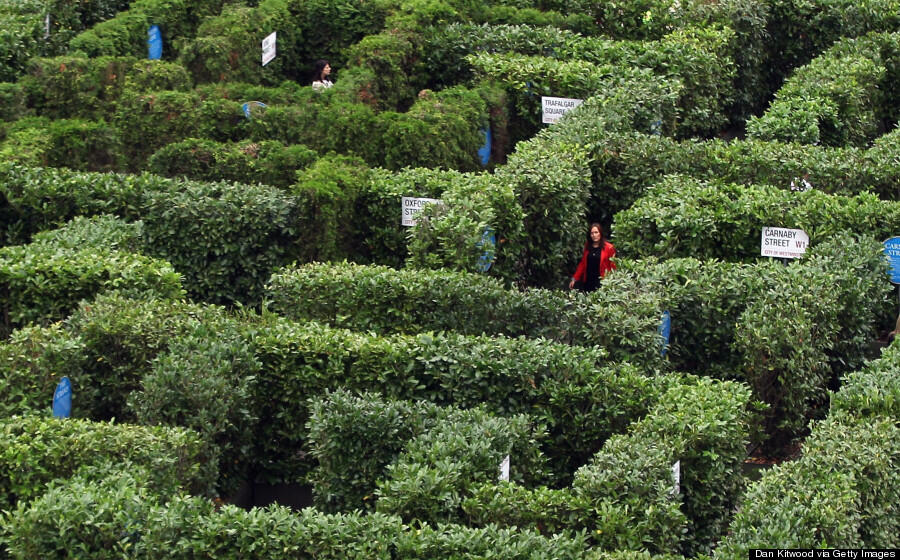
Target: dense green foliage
point(838, 494)
point(841, 98)
point(401, 389)
point(685, 217)
point(38, 450)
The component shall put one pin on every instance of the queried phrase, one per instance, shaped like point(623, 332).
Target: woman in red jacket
point(595, 262)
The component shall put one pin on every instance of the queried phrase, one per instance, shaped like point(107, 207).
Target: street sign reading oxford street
point(412, 206)
point(892, 253)
point(783, 243)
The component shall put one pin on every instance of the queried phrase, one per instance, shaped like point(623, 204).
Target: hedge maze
point(235, 300)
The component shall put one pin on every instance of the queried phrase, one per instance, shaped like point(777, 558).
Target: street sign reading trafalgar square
point(553, 108)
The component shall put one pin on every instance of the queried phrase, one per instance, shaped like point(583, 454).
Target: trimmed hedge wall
point(115, 347)
point(268, 162)
point(24, 31)
point(873, 390)
point(840, 98)
point(621, 317)
point(88, 88)
point(434, 472)
point(800, 31)
point(354, 438)
point(623, 164)
point(509, 375)
point(527, 78)
point(625, 496)
point(842, 493)
point(368, 432)
point(74, 143)
point(654, 19)
point(227, 47)
point(42, 283)
point(685, 217)
point(700, 58)
point(744, 321)
point(187, 527)
point(225, 238)
point(38, 450)
point(126, 33)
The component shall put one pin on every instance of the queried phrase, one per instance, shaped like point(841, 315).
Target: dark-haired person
point(595, 262)
point(321, 70)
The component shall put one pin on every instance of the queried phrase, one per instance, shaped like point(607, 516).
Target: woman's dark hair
point(588, 241)
point(317, 69)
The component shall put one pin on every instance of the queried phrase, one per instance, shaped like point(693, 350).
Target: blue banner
point(62, 399)
point(154, 43)
point(665, 329)
point(488, 243)
point(252, 106)
point(484, 152)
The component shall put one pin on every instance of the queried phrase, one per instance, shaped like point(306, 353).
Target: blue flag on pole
point(62, 399)
point(154, 43)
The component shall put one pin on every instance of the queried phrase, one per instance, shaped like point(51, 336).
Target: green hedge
point(225, 238)
point(12, 101)
point(187, 527)
point(147, 121)
point(625, 498)
point(113, 344)
point(872, 390)
point(354, 438)
point(685, 217)
point(747, 321)
point(206, 381)
point(838, 99)
point(509, 375)
point(654, 19)
point(624, 164)
point(452, 235)
point(126, 33)
point(436, 469)
point(840, 494)
point(227, 47)
point(72, 86)
point(440, 129)
point(32, 362)
point(38, 450)
point(268, 162)
point(24, 33)
point(700, 58)
point(38, 199)
point(73, 143)
point(800, 31)
point(103, 231)
point(621, 317)
point(706, 427)
point(528, 78)
point(43, 283)
point(121, 340)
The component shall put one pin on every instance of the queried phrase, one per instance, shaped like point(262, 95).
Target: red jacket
point(606, 265)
